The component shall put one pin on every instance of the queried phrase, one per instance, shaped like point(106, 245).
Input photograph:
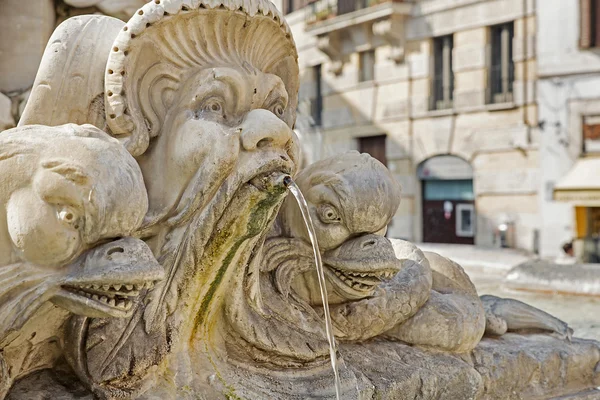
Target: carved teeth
point(112, 302)
point(129, 287)
point(104, 299)
point(121, 304)
point(117, 287)
point(96, 286)
point(139, 286)
point(95, 297)
point(106, 287)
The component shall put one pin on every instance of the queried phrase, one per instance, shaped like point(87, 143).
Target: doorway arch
point(448, 200)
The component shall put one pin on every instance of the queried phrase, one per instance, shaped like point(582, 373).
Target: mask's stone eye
point(213, 106)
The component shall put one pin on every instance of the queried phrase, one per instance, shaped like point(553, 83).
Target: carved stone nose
point(262, 128)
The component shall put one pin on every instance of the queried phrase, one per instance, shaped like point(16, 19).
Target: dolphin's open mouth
point(109, 279)
point(118, 297)
point(362, 281)
point(358, 266)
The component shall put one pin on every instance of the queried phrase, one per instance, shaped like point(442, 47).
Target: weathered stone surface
point(201, 97)
point(6, 118)
point(25, 27)
point(122, 9)
point(511, 367)
point(536, 366)
point(582, 279)
point(399, 371)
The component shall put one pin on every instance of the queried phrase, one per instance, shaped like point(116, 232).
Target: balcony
point(324, 16)
point(343, 27)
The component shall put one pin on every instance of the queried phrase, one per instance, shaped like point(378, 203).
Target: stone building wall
point(499, 141)
point(25, 27)
point(395, 103)
point(568, 91)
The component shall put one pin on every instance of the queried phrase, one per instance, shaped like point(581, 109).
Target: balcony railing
point(321, 10)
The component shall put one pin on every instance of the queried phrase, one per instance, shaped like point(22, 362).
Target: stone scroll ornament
point(153, 250)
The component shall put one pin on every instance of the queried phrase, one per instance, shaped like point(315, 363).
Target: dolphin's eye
point(328, 214)
point(68, 216)
point(278, 109)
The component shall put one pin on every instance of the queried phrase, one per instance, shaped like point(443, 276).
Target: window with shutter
point(443, 77)
point(589, 23)
point(591, 134)
point(502, 68)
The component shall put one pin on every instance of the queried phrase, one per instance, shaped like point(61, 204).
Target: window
point(366, 66)
point(290, 6)
point(375, 146)
point(443, 77)
point(465, 224)
point(317, 102)
point(589, 35)
point(502, 68)
point(591, 134)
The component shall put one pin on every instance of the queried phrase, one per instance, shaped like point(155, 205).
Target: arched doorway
point(448, 201)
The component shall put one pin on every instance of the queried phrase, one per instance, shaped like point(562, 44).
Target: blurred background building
point(480, 108)
point(486, 111)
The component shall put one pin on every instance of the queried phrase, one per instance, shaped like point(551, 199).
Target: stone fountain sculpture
point(199, 97)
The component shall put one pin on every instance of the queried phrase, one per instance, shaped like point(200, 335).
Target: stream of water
point(313, 238)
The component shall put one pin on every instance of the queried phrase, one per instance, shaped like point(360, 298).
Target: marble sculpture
point(149, 251)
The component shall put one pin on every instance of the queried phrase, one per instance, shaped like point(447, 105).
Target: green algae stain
point(258, 218)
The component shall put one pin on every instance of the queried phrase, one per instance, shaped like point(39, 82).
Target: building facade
point(441, 91)
point(569, 115)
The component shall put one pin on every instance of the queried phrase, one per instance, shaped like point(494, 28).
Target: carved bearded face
point(227, 123)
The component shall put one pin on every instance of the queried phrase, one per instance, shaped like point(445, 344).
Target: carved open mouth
point(357, 284)
point(119, 297)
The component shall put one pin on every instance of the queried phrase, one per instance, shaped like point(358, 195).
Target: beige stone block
point(25, 27)
point(491, 175)
point(471, 37)
point(500, 160)
point(398, 144)
point(431, 136)
point(526, 70)
point(469, 81)
point(419, 57)
point(442, 17)
point(402, 227)
point(488, 131)
point(406, 207)
point(508, 204)
point(392, 100)
point(407, 182)
point(469, 100)
point(469, 57)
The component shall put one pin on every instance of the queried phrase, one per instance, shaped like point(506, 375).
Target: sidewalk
point(472, 257)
